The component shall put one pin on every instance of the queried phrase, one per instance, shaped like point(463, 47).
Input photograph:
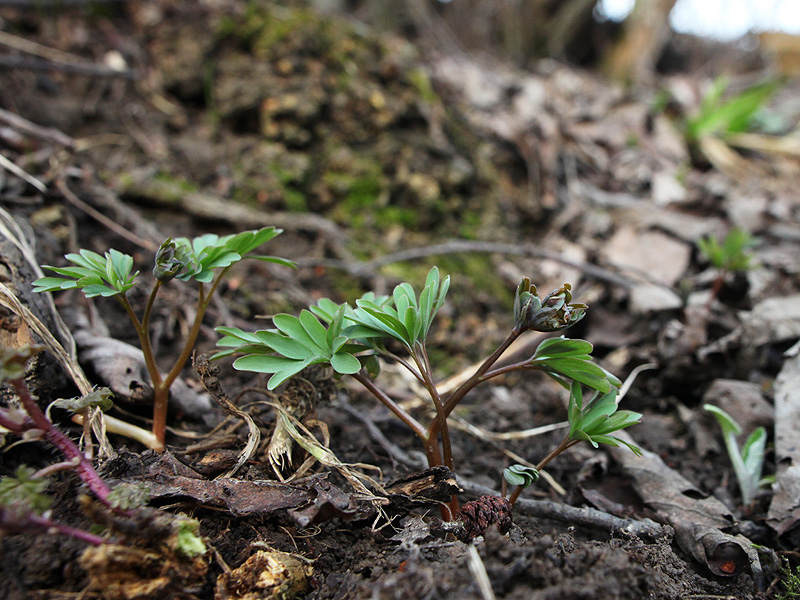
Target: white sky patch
point(721, 19)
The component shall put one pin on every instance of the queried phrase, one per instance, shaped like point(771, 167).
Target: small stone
point(660, 256)
point(649, 298)
point(667, 189)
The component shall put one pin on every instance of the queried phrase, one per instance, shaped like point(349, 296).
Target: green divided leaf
point(520, 475)
point(95, 275)
point(561, 346)
point(592, 421)
point(296, 343)
point(207, 252)
point(407, 318)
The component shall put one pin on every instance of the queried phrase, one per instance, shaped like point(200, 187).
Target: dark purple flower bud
point(553, 313)
point(170, 261)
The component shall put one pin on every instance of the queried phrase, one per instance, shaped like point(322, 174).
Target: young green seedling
point(720, 117)
point(748, 462)
point(730, 256)
point(592, 421)
point(204, 260)
point(352, 339)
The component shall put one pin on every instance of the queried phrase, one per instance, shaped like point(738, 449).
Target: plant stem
point(399, 412)
point(194, 332)
point(15, 523)
point(144, 339)
point(148, 309)
point(62, 442)
point(506, 369)
point(458, 394)
point(421, 358)
point(162, 385)
point(160, 391)
point(409, 367)
point(716, 288)
point(565, 444)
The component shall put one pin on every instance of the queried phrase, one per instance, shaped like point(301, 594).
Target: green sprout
point(718, 117)
point(748, 462)
point(352, 339)
point(790, 581)
point(24, 492)
point(187, 538)
point(592, 421)
point(205, 260)
point(732, 255)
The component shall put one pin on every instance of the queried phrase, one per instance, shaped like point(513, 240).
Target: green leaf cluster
point(201, 255)
point(333, 333)
point(719, 117)
point(596, 419)
point(95, 275)
point(567, 361)
point(520, 475)
point(24, 492)
point(297, 343)
point(748, 462)
point(732, 254)
point(186, 259)
point(405, 318)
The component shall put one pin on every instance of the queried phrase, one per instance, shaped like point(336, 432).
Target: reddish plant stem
point(716, 288)
point(399, 412)
point(162, 384)
point(62, 442)
point(458, 394)
point(421, 357)
point(11, 522)
point(565, 444)
point(409, 367)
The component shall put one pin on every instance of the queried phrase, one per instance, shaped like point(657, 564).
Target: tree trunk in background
point(646, 30)
point(521, 31)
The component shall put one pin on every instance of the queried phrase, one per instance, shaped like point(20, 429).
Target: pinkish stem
point(62, 442)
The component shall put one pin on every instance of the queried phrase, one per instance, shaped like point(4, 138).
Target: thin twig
point(12, 167)
point(98, 216)
point(50, 134)
point(583, 516)
point(459, 246)
point(40, 50)
point(78, 68)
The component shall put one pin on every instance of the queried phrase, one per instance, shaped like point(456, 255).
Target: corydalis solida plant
point(351, 339)
point(205, 260)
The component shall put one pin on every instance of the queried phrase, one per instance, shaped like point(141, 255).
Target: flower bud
point(170, 261)
point(553, 313)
